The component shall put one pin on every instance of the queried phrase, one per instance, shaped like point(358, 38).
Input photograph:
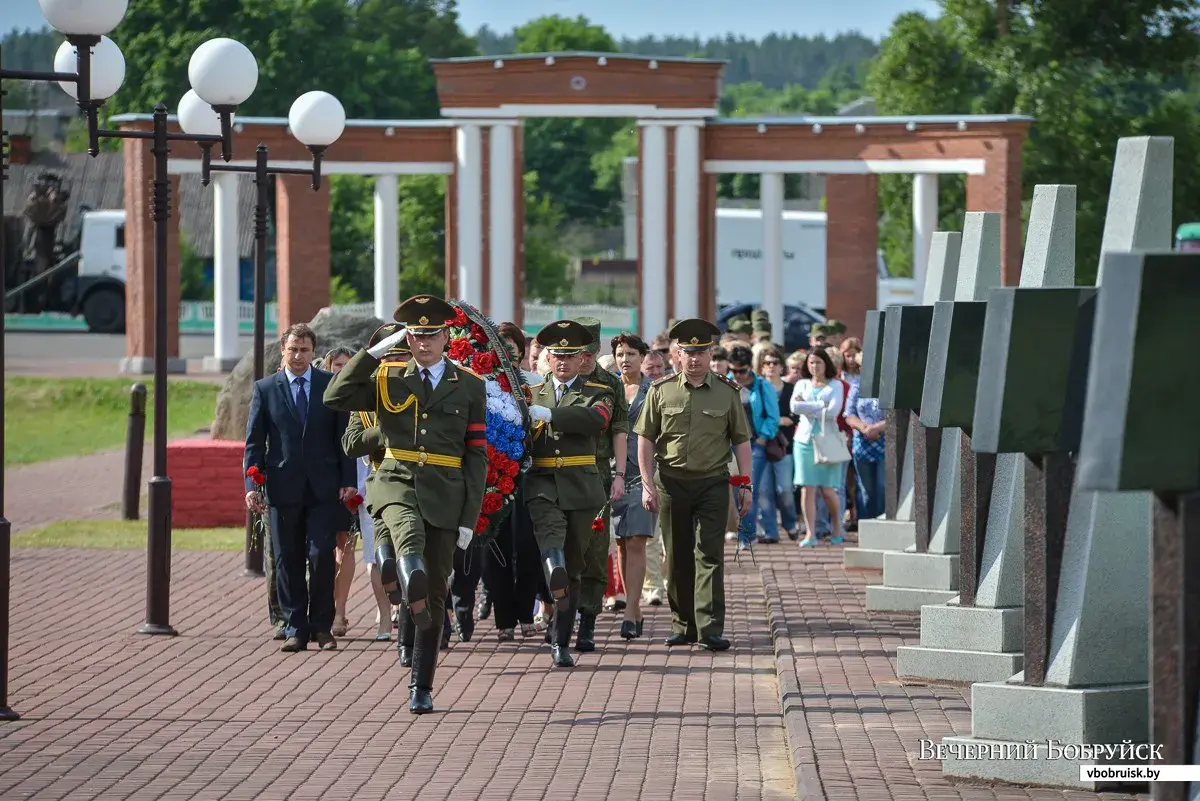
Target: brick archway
point(683, 147)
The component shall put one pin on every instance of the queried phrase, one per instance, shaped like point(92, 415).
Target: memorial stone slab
point(1147, 325)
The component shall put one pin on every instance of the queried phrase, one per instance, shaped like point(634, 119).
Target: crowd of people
point(645, 457)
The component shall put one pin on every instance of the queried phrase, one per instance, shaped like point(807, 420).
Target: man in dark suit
point(296, 441)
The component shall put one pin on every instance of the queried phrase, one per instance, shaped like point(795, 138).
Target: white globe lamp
point(83, 17)
point(223, 72)
point(317, 119)
point(197, 117)
point(107, 68)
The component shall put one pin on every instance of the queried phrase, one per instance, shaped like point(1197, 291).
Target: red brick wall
point(851, 241)
point(302, 249)
point(139, 254)
point(207, 483)
point(999, 189)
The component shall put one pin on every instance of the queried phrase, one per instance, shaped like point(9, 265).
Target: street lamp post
point(317, 120)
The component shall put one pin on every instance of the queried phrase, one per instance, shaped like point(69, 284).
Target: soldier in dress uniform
point(610, 446)
point(429, 487)
point(685, 430)
point(563, 489)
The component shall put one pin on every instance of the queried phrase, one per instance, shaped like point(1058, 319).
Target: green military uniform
point(594, 579)
point(692, 428)
point(760, 321)
point(563, 489)
point(431, 481)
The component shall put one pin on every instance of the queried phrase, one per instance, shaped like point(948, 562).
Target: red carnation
point(512, 469)
point(354, 501)
point(493, 475)
point(598, 523)
point(461, 350)
point(505, 485)
point(460, 318)
point(505, 385)
point(484, 363)
point(255, 475)
point(478, 335)
point(492, 503)
point(481, 525)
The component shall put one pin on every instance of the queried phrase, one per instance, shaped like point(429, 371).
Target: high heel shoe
point(640, 624)
point(628, 629)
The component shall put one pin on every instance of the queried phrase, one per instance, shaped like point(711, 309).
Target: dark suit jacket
point(301, 463)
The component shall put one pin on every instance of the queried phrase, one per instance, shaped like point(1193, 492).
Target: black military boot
point(404, 637)
point(560, 648)
point(585, 642)
point(416, 590)
point(389, 576)
point(554, 563)
point(425, 656)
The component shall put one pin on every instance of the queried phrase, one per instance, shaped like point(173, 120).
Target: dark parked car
point(797, 321)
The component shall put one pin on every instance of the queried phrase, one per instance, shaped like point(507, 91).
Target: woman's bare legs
point(633, 572)
point(808, 496)
point(343, 555)
point(383, 615)
point(835, 514)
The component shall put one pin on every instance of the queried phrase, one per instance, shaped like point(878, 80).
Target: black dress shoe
point(464, 626)
point(420, 701)
point(714, 643)
point(561, 656)
point(680, 639)
point(406, 655)
point(629, 629)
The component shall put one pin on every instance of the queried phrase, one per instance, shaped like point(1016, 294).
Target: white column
point(925, 220)
point(654, 229)
point(629, 194)
point(687, 221)
point(503, 225)
point(226, 272)
point(387, 246)
point(771, 202)
point(469, 242)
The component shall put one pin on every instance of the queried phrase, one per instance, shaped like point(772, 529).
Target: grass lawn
point(51, 418)
point(126, 534)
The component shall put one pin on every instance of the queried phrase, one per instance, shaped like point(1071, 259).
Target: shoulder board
point(468, 371)
point(729, 382)
point(663, 380)
point(536, 386)
point(597, 385)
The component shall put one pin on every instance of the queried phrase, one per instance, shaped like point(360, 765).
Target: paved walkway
point(74, 488)
point(219, 713)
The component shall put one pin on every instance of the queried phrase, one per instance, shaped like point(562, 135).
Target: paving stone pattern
point(219, 713)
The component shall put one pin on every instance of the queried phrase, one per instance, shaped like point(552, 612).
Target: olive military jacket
point(564, 468)
point(435, 457)
point(363, 439)
point(620, 420)
point(692, 428)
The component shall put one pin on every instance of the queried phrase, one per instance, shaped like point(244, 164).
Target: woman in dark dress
point(511, 572)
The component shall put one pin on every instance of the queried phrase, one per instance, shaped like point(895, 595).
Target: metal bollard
point(135, 438)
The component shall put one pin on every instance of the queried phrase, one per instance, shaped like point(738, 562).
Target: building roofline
point(919, 119)
point(281, 122)
point(576, 54)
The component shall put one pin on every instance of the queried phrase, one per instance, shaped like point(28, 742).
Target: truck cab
point(100, 281)
point(1187, 238)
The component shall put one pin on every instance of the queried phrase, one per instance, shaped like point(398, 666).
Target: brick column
point(999, 189)
point(851, 241)
point(302, 250)
point(139, 265)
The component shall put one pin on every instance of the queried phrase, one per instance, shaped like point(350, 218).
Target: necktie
point(558, 393)
point(301, 401)
point(427, 382)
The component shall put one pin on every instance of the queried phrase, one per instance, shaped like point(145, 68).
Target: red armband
point(477, 435)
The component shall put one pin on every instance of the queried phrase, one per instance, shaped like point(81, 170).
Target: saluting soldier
point(610, 445)
point(429, 487)
point(364, 439)
point(686, 428)
point(563, 489)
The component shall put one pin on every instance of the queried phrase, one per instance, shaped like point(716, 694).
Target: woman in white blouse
point(817, 402)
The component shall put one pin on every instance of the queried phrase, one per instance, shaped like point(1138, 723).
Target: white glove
point(388, 343)
point(541, 413)
point(465, 535)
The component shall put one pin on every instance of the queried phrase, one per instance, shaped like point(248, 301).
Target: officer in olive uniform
point(429, 487)
point(686, 428)
point(563, 489)
point(760, 321)
point(611, 446)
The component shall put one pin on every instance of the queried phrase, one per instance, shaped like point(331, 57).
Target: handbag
point(777, 447)
point(829, 447)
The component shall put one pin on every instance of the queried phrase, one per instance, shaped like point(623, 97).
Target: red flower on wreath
point(505, 384)
point(484, 363)
point(482, 524)
point(511, 468)
point(460, 318)
point(493, 475)
point(505, 484)
point(492, 503)
point(461, 350)
point(478, 335)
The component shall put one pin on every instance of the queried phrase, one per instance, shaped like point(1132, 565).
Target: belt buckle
point(422, 458)
point(558, 461)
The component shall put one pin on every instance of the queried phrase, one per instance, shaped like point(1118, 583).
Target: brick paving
point(219, 713)
point(854, 731)
point(82, 488)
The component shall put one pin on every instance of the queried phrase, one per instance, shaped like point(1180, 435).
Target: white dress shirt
point(560, 388)
point(435, 372)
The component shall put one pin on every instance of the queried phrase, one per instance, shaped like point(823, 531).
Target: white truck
point(85, 278)
point(739, 236)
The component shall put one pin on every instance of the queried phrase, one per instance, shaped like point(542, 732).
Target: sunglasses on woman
point(771, 362)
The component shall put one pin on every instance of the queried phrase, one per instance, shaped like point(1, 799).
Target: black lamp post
point(317, 120)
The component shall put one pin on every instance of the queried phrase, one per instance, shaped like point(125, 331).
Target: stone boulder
point(332, 328)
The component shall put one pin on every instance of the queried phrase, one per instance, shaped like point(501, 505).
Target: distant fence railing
point(196, 317)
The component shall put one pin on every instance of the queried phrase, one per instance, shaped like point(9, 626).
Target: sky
point(633, 18)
